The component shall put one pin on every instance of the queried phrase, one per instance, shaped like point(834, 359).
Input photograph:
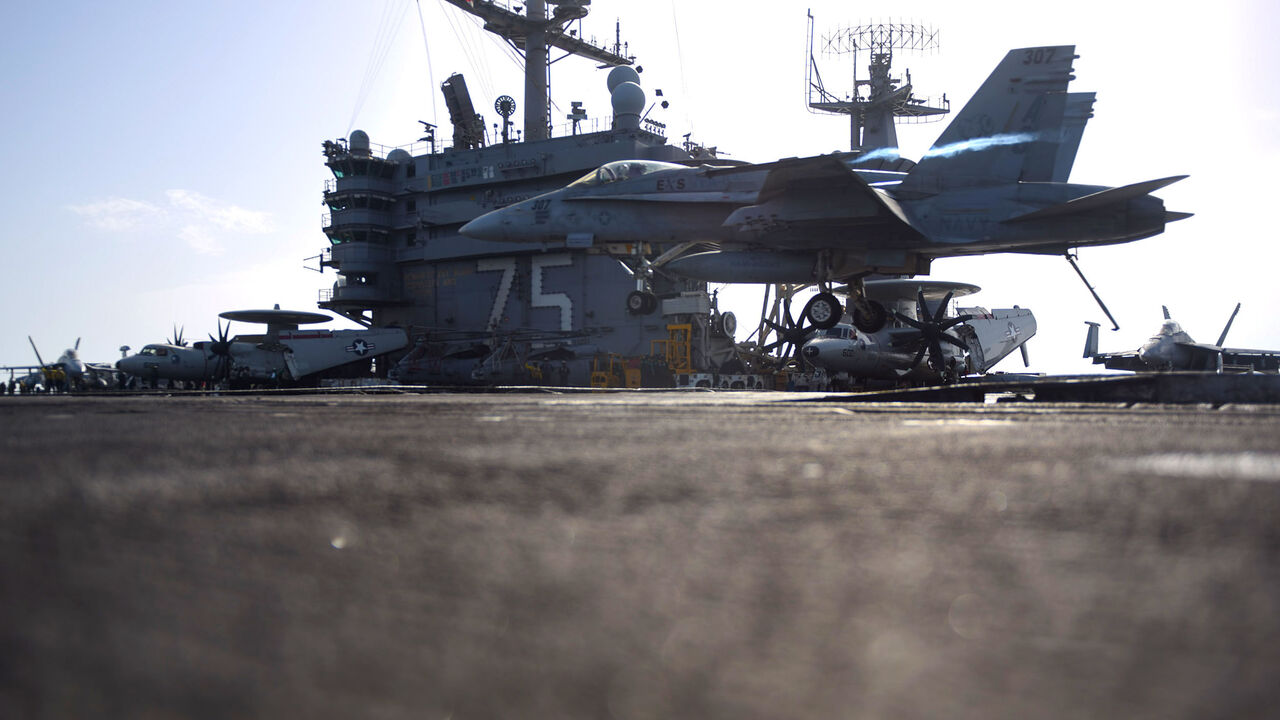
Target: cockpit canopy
point(155, 350)
point(621, 170)
point(839, 331)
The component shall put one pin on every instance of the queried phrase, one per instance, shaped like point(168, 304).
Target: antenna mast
point(534, 34)
point(877, 101)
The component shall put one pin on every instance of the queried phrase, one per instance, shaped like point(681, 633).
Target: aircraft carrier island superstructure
point(491, 313)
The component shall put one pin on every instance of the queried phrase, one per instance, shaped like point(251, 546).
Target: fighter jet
point(920, 344)
point(68, 372)
point(283, 355)
point(1171, 348)
point(992, 182)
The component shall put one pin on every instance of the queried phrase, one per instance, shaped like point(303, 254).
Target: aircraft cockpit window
point(151, 350)
point(622, 170)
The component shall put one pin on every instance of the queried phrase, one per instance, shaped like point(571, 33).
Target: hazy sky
point(164, 158)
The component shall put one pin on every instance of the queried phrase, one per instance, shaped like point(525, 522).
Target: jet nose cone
point(490, 226)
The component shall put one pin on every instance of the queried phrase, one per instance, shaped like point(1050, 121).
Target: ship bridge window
point(622, 170)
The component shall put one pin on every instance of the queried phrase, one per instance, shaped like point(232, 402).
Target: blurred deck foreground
point(635, 555)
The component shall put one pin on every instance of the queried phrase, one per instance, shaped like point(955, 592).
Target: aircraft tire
point(823, 311)
point(641, 303)
point(872, 321)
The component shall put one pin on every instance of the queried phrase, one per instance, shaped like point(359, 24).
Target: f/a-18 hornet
point(994, 181)
point(68, 372)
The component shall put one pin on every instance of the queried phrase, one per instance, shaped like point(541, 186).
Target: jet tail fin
point(1223, 337)
point(1091, 340)
point(1078, 111)
point(1011, 126)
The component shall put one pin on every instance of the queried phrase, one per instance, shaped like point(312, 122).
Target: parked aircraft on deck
point(67, 372)
point(283, 355)
point(921, 344)
point(1171, 348)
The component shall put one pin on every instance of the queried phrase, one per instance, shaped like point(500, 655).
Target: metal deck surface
point(629, 555)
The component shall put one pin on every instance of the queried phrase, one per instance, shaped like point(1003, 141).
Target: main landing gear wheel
point(869, 316)
point(640, 302)
point(822, 311)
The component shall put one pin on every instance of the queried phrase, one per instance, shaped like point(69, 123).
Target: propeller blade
point(942, 307)
point(958, 342)
point(920, 355)
point(952, 322)
point(935, 354)
point(1026, 359)
point(909, 321)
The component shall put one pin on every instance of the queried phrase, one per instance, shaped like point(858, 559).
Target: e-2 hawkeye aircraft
point(283, 355)
point(1171, 348)
point(920, 344)
point(991, 183)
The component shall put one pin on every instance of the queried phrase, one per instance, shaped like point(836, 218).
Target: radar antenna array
point(876, 102)
point(506, 107)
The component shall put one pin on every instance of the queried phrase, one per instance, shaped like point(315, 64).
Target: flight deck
point(636, 554)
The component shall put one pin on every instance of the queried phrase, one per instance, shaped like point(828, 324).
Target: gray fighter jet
point(1171, 348)
point(992, 182)
point(69, 372)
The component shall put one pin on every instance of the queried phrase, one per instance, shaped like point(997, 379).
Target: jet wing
point(816, 194)
point(1259, 360)
point(1128, 360)
point(1206, 357)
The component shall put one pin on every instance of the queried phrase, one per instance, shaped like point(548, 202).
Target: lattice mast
point(880, 100)
point(534, 34)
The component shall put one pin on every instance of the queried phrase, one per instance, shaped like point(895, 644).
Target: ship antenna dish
point(878, 101)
